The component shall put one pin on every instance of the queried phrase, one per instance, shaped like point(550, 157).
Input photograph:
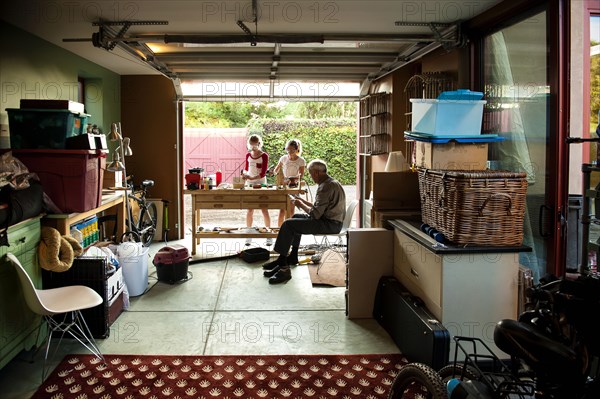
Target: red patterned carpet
point(289, 376)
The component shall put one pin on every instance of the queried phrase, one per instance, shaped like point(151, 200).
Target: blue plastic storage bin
point(461, 94)
point(43, 128)
point(448, 117)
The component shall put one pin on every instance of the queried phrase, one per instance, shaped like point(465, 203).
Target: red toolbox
point(71, 178)
point(172, 263)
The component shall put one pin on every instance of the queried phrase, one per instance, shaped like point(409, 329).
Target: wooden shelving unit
point(374, 124)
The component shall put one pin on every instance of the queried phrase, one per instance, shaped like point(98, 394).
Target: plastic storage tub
point(43, 128)
point(71, 178)
point(449, 117)
point(172, 263)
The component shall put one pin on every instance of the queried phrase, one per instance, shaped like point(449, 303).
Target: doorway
point(326, 130)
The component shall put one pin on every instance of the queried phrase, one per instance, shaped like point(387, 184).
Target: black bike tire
point(456, 371)
point(418, 373)
point(151, 213)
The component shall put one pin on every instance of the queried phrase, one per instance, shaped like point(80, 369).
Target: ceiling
point(263, 41)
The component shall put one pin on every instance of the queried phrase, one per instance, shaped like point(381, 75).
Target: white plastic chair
point(69, 301)
point(338, 241)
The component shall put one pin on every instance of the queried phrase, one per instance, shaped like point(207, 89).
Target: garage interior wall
point(31, 67)
point(149, 119)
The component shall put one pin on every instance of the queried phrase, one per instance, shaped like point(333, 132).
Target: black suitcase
point(418, 334)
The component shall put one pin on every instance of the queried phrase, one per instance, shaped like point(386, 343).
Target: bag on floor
point(251, 255)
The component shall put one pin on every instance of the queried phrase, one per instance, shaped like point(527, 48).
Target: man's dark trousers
point(291, 231)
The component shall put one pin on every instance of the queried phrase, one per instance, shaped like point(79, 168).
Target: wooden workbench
point(246, 198)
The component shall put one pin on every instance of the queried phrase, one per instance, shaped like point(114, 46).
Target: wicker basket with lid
point(484, 207)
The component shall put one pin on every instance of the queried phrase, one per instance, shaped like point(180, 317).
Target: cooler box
point(453, 113)
point(172, 263)
point(71, 178)
point(43, 128)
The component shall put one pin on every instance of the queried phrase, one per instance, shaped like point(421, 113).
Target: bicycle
point(553, 351)
point(142, 215)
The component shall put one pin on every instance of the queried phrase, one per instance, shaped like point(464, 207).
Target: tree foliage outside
point(238, 114)
point(327, 130)
point(594, 97)
point(595, 89)
point(332, 140)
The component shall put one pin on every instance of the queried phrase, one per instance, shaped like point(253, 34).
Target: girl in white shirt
point(293, 166)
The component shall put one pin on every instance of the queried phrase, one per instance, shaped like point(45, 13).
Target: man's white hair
point(318, 165)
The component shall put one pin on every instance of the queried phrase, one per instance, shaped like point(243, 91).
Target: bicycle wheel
point(450, 371)
point(148, 224)
point(417, 380)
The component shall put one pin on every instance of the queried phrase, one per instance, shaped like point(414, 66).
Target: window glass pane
point(517, 91)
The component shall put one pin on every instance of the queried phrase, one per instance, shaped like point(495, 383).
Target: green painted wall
point(31, 67)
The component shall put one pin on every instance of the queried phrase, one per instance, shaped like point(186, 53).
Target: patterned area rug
point(289, 376)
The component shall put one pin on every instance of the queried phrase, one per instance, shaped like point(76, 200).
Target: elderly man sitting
point(324, 216)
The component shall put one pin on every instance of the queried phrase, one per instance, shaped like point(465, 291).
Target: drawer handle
point(22, 240)
point(414, 272)
point(218, 206)
point(263, 197)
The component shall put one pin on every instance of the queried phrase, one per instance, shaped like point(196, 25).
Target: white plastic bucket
point(135, 271)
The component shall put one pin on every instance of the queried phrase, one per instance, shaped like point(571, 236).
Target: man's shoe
point(292, 260)
point(283, 275)
point(271, 265)
point(271, 273)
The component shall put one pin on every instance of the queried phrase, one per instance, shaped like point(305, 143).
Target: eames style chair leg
point(73, 324)
point(335, 249)
point(337, 245)
point(61, 310)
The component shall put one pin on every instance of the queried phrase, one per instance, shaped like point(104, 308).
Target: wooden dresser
point(469, 289)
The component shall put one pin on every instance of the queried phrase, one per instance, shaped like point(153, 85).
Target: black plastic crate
point(43, 128)
point(91, 272)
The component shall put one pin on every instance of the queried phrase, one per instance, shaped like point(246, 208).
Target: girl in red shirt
point(255, 170)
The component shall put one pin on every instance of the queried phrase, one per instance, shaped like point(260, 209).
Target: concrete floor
point(228, 307)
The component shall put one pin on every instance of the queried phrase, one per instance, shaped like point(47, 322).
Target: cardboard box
point(452, 155)
point(114, 285)
point(379, 218)
point(396, 190)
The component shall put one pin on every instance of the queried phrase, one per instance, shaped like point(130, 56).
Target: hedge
point(332, 140)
